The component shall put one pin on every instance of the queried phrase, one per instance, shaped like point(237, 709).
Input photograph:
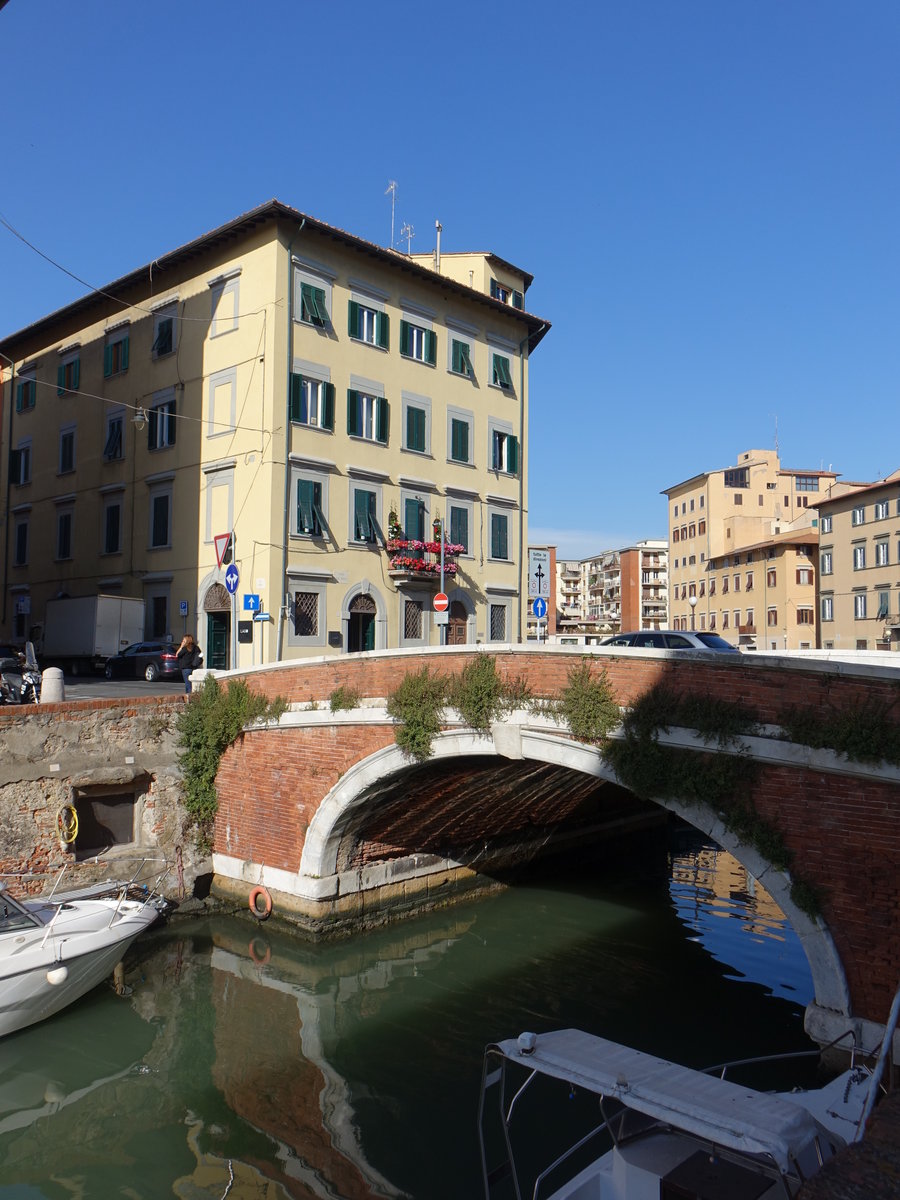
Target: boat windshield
point(13, 916)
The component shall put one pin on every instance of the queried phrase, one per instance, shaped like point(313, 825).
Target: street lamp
point(692, 601)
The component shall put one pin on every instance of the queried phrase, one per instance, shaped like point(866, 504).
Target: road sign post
point(539, 608)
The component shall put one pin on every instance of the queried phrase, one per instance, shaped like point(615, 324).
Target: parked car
point(152, 660)
point(670, 639)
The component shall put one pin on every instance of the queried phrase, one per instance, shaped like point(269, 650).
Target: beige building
point(859, 566)
point(751, 523)
point(613, 591)
point(333, 404)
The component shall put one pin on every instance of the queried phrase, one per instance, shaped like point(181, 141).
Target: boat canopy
point(705, 1106)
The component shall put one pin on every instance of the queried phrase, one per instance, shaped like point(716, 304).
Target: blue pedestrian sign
point(251, 602)
point(232, 579)
point(539, 607)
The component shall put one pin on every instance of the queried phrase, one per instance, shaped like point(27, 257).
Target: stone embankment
point(116, 763)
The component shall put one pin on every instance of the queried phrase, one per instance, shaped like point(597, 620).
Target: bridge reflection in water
point(249, 1063)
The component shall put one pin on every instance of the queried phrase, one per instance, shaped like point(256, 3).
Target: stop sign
point(441, 602)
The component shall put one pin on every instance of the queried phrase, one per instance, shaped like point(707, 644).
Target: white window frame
point(318, 375)
point(882, 509)
point(826, 563)
point(164, 399)
point(65, 433)
point(221, 323)
point(882, 552)
point(505, 429)
point(412, 400)
point(24, 449)
point(418, 327)
point(858, 516)
point(859, 558)
point(827, 608)
point(158, 491)
point(826, 523)
point(859, 606)
point(216, 425)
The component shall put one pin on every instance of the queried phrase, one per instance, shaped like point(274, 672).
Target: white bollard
point(53, 689)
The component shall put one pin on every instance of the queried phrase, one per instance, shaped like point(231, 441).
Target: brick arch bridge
point(343, 830)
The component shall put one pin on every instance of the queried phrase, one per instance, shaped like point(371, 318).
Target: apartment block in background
point(752, 523)
point(341, 408)
point(614, 590)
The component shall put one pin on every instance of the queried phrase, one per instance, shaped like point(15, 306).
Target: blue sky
point(705, 191)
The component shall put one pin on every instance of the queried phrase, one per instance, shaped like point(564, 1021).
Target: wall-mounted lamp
point(140, 418)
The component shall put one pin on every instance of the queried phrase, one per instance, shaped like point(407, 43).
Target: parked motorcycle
point(20, 678)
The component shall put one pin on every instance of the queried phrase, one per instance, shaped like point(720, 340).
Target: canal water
point(248, 1064)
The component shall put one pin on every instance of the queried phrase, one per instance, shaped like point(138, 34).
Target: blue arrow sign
point(232, 579)
point(251, 601)
point(539, 607)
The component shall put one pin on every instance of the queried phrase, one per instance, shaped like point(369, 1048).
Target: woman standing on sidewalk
point(189, 657)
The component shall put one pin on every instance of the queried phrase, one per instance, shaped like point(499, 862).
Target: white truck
point(82, 632)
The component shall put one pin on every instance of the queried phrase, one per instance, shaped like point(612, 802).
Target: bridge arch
point(341, 807)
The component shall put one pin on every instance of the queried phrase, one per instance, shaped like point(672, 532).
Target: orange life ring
point(260, 959)
point(258, 893)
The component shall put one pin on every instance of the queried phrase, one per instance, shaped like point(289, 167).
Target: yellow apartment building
point(859, 567)
point(754, 522)
point(345, 411)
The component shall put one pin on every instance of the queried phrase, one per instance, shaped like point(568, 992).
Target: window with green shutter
point(518, 300)
point(500, 371)
point(459, 440)
point(26, 392)
point(368, 324)
point(365, 521)
point(310, 518)
point(414, 519)
point(161, 426)
point(459, 527)
point(312, 402)
point(460, 360)
point(499, 536)
point(418, 342)
point(505, 452)
point(312, 305)
point(68, 374)
point(115, 357)
point(367, 416)
point(415, 429)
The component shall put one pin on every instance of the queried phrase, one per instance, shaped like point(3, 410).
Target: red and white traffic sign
point(223, 545)
point(441, 602)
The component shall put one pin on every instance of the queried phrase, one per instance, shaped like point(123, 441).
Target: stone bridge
point(343, 829)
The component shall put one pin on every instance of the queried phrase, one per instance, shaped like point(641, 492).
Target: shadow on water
point(252, 1064)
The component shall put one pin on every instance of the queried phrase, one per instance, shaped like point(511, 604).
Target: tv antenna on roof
point(409, 233)
point(392, 188)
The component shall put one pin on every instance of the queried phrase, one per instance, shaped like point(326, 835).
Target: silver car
point(670, 639)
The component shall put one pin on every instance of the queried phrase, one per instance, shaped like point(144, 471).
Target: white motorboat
point(55, 949)
point(664, 1130)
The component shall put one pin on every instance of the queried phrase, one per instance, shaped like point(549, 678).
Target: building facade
point(345, 411)
point(614, 590)
point(755, 523)
point(859, 567)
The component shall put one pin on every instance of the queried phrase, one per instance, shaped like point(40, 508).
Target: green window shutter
point(459, 440)
point(60, 379)
point(296, 390)
point(363, 512)
point(501, 371)
point(404, 338)
point(352, 413)
point(430, 346)
point(76, 374)
point(327, 415)
point(125, 341)
point(319, 304)
point(107, 361)
point(512, 455)
point(518, 300)
point(414, 525)
point(319, 523)
point(305, 516)
point(382, 330)
point(415, 429)
point(382, 421)
point(456, 359)
point(499, 543)
point(152, 422)
point(353, 319)
point(170, 423)
point(459, 527)
point(466, 361)
point(20, 397)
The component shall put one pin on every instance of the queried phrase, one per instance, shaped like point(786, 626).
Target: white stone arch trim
point(366, 588)
point(514, 741)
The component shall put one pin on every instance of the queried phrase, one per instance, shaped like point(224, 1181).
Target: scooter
point(20, 678)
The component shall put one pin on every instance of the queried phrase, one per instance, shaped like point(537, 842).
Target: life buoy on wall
point(260, 893)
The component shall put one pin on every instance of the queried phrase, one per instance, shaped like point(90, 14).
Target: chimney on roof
point(437, 248)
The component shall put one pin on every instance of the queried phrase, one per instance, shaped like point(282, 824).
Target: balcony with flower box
point(415, 562)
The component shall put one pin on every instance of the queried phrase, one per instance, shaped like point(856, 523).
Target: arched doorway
point(361, 630)
point(458, 626)
point(217, 606)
